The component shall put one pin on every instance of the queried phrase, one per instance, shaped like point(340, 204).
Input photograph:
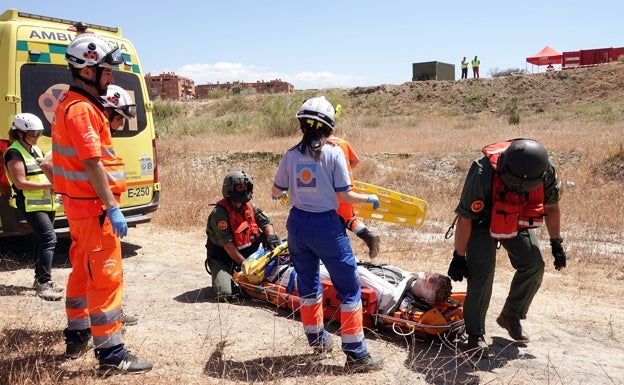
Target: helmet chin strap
point(92, 83)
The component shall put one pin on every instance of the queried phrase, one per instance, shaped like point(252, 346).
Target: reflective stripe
point(504, 236)
point(37, 202)
point(311, 301)
point(76, 302)
point(64, 150)
point(73, 175)
point(313, 329)
point(108, 341)
point(78, 323)
point(351, 307)
point(100, 319)
point(352, 338)
point(537, 222)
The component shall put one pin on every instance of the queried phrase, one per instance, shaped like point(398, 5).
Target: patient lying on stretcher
point(394, 287)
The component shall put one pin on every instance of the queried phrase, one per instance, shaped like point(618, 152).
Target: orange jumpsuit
point(94, 288)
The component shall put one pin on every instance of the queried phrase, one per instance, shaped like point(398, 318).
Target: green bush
point(513, 117)
point(166, 113)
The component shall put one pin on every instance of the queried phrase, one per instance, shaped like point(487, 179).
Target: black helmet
point(234, 178)
point(522, 166)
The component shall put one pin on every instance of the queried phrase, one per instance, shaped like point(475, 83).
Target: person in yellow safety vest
point(91, 179)
point(32, 195)
point(475, 67)
point(464, 68)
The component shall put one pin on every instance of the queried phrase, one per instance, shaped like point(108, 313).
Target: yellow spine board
point(394, 207)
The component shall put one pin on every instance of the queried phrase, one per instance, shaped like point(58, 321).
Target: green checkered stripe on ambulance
point(38, 52)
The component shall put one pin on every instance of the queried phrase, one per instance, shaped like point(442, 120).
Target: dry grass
point(413, 139)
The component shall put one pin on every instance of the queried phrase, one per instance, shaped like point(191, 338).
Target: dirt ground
point(575, 322)
point(575, 338)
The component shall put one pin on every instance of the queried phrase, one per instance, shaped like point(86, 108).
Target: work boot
point(46, 291)
point(55, 287)
point(323, 350)
point(512, 325)
point(477, 346)
point(130, 364)
point(128, 320)
point(372, 241)
point(78, 342)
point(364, 364)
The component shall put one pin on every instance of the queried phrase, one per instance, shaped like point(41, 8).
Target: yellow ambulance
point(33, 75)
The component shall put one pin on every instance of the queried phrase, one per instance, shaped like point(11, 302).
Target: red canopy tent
point(546, 56)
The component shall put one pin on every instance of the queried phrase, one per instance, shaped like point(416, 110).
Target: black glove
point(272, 241)
point(558, 253)
point(458, 268)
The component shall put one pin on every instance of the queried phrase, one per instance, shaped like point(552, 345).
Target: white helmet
point(27, 122)
point(317, 108)
point(119, 99)
point(89, 50)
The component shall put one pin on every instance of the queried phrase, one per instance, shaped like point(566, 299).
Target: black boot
point(512, 325)
point(372, 241)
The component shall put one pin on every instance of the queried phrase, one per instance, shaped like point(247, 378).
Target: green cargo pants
point(222, 280)
point(525, 257)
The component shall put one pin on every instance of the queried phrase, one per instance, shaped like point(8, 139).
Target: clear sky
point(334, 43)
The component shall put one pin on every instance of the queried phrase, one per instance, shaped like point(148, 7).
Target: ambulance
point(34, 74)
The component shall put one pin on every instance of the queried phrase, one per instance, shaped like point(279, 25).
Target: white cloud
point(223, 72)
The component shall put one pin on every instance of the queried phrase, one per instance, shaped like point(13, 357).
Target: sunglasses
point(34, 134)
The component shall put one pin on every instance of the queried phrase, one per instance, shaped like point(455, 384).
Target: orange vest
point(244, 227)
point(511, 211)
point(344, 145)
point(70, 177)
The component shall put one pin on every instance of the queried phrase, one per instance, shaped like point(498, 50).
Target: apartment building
point(170, 86)
point(262, 87)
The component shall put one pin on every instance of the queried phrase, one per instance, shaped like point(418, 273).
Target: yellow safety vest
point(35, 200)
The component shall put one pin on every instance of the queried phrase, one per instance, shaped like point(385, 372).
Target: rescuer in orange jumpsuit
point(91, 179)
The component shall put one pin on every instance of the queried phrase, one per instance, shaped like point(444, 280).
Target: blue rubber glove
point(374, 200)
point(118, 221)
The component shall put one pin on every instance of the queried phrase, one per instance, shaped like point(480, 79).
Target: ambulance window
point(42, 85)
point(131, 83)
point(40, 88)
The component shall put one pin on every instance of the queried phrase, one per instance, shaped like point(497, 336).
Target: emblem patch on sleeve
point(222, 225)
point(476, 206)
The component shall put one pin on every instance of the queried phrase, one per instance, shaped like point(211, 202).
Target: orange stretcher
point(425, 320)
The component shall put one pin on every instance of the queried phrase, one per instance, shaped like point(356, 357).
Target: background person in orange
point(91, 179)
point(345, 210)
point(118, 106)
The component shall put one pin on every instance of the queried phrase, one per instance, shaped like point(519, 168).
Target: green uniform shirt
point(217, 237)
point(478, 187)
